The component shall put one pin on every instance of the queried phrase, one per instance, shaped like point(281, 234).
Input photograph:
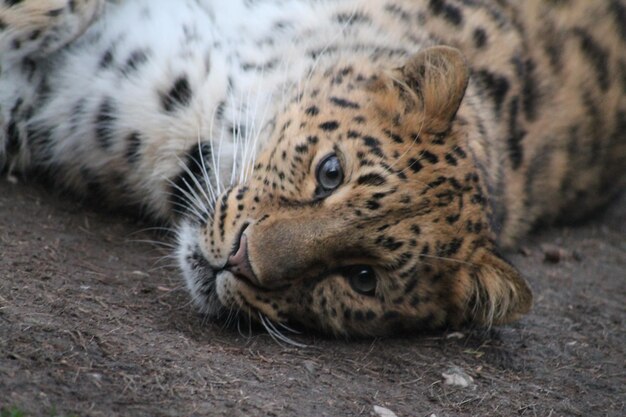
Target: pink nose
point(239, 264)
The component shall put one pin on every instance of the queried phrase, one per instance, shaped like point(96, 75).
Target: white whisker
point(289, 329)
point(443, 258)
point(276, 334)
point(192, 204)
point(155, 242)
point(205, 174)
point(196, 183)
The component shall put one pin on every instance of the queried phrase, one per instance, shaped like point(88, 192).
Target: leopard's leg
point(134, 112)
point(30, 31)
point(37, 28)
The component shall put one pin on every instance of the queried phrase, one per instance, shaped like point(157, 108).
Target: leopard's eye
point(362, 279)
point(329, 173)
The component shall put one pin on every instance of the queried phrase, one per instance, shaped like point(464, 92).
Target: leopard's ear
point(438, 76)
point(498, 293)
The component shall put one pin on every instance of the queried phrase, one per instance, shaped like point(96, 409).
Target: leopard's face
point(363, 215)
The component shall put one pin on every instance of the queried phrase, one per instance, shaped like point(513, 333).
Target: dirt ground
point(94, 322)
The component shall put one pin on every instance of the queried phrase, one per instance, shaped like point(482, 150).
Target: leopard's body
point(353, 165)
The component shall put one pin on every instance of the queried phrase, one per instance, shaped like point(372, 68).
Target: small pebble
point(553, 254)
point(456, 376)
point(310, 366)
point(384, 412)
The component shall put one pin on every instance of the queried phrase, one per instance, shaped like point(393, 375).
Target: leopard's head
point(364, 214)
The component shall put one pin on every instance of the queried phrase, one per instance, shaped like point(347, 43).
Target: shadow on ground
point(95, 322)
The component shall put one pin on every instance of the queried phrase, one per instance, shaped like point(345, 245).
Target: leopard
point(359, 168)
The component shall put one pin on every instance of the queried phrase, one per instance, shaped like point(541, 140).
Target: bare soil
point(95, 322)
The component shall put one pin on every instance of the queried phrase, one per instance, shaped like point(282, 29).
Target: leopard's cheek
point(332, 307)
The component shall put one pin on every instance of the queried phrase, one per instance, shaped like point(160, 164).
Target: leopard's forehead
point(345, 102)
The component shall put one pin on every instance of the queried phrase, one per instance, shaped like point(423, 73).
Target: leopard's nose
point(239, 263)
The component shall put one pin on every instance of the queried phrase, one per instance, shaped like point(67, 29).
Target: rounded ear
point(438, 76)
point(499, 294)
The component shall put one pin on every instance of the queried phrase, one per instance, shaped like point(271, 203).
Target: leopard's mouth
point(219, 290)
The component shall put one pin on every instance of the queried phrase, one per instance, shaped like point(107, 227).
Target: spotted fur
point(452, 128)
